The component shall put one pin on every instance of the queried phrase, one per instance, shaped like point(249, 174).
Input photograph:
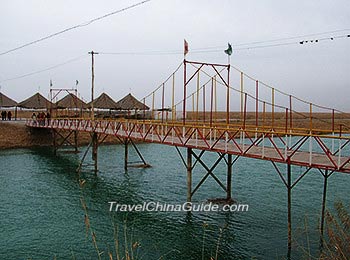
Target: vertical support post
point(215, 101)
point(242, 95)
point(324, 201)
point(228, 96)
point(229, 177)
point(197, 98)
point(173, 113)
point(257, 103)
point(92, 84)
point(126, 153)
point(184, 101)
point(54, 137)
point(245, 110)
point(144, 110)
point(290, 113)
point(163, 89)
point(211, 102)
point(273, 107)
point(264, 114)
point(189, 174)
point(153, 115)
point(204, 103)
point(193, 108)
point(94, 150)
point(333, 126)
point(76, 141)
point(310, 117)
point(289, 195)
point(333, 120)
point(286, 126)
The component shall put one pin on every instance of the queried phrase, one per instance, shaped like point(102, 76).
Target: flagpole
point(185, 73)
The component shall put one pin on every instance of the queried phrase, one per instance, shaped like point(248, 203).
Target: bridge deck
point(216, 140)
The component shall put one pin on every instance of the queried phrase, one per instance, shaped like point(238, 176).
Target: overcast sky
point(318, 72)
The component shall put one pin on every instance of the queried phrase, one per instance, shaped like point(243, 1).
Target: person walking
point(34, 118)
point(48, 117)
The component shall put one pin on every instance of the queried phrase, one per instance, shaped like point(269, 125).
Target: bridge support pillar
point(229, 177)
point(54, 139)
point(76, 141)
point(326, 175)
point(64, 138)
point(140, 164)
point(94, 150)
point(126, 153)
point(289, 198)
point(189, 174)
point(324, 198)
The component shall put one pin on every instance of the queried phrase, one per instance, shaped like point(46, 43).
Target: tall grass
point(337, 242)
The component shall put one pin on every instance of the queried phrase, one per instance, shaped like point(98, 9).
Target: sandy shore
point(14, 134)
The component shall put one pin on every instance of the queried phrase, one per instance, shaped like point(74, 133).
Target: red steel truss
point(309, 150)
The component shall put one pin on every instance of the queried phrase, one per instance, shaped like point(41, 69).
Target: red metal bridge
point(218, 108)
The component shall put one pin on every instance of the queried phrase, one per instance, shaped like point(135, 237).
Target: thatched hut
point(37, 101)
point(71, 103)
point(130, 103)
point(5, 101)
point(104, 102)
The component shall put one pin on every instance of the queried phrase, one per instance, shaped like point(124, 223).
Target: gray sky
point(316, 72)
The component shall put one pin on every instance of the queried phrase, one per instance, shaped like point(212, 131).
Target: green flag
point(229, 50)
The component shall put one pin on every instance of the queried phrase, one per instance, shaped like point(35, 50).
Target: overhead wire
point(74, 27)
point(46, 69)
point(235, 46)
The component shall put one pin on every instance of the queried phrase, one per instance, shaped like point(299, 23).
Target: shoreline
point(15, 135)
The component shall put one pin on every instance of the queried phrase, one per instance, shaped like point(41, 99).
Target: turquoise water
point(41, 216)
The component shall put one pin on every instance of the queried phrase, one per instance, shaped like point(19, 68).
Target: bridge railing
point(280, 145)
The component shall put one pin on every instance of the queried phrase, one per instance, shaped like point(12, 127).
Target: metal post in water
point(76, 141)
point(189, 174)
point(126, 153)
point(289, 194)
point(324, 200)
point(229, 176)
point(94, 151)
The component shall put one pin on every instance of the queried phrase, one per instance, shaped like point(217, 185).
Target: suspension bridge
point(206, 107)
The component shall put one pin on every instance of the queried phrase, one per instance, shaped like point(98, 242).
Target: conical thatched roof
point(70, 101)
point(6, 101)
point(130, 103)
point(104, 102)
point(37, 101)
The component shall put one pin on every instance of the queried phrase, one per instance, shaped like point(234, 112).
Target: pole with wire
point(92, 84)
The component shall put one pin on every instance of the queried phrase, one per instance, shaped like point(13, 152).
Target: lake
point(42, 216)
